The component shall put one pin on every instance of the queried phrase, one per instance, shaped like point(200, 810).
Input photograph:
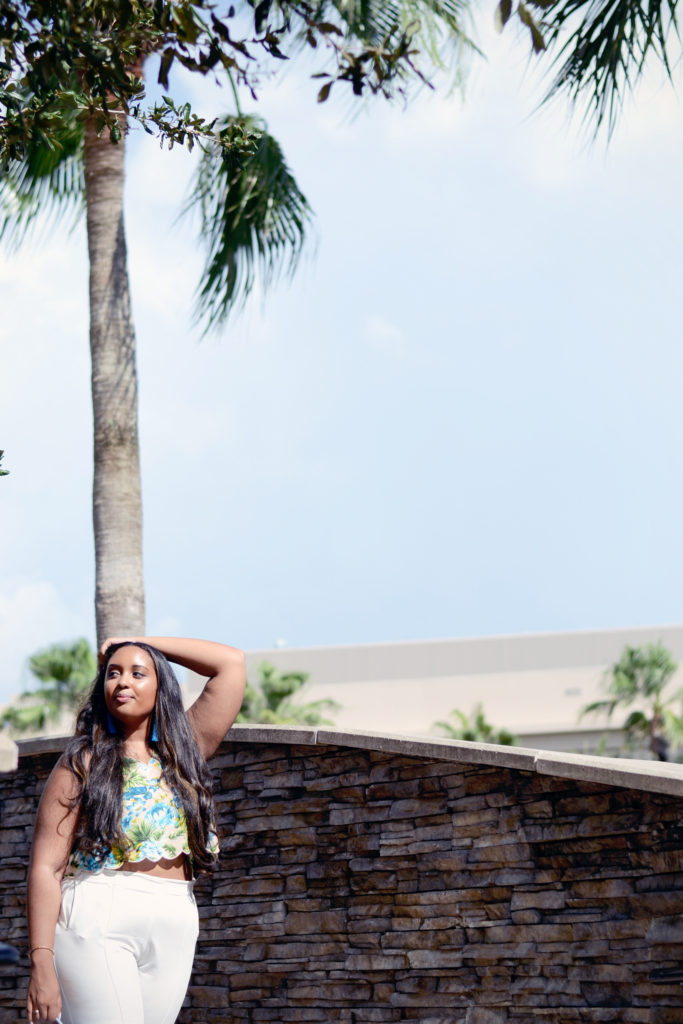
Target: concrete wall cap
point(650, 776)
point(255, 733)
point(42, 745)
point(434, 747)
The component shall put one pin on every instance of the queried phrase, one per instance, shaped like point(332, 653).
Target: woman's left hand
point(106, 644)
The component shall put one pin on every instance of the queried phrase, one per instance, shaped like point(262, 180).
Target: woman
point(124, 825)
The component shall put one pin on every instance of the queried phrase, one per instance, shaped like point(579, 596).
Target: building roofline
point(469, 656)
point(478, 638)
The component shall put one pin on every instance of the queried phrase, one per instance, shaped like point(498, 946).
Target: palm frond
point(253, 217)
point(271, 703)
point(476, 728)
point(277, 687)
point(49, 178)
point(372, 21)
point(673, 725)
point(606, 706)
point(32, 718)
point(431, 35)
point(637, 722)
point(65, 671)
point(605, 52)
point(642, 675)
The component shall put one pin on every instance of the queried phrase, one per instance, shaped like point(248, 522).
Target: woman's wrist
point(38, 952)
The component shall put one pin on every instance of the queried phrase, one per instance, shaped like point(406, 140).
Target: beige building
point(534, 685)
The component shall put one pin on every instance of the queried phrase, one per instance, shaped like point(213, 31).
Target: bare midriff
point(179, 867)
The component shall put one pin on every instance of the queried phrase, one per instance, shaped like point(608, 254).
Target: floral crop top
point(153, 821)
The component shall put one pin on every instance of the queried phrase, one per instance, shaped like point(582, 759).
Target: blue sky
point(461, 418)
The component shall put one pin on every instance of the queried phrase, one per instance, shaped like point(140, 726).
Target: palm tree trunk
point(117, 502)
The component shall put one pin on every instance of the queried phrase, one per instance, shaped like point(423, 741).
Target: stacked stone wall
point(365, 886)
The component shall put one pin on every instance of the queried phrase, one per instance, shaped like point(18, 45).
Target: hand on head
point(109, 642)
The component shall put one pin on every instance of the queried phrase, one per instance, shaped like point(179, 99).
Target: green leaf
point(167, 58)
point(261, 15)
point(502, 14)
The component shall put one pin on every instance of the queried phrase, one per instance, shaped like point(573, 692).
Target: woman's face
point(130, 685)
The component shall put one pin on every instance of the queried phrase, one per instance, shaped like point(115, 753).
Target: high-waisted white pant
point(124, 947)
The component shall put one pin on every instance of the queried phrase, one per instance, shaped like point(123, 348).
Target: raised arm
point(217, 706)
point(52, 841)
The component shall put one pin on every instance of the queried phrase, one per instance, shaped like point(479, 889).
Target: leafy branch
point(87, 55)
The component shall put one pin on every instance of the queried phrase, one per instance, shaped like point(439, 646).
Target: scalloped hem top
point(153, 821)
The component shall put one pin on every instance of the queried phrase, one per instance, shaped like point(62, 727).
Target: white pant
point(124, 947)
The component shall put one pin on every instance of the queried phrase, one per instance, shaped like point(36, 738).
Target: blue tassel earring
point(110, 725)
point(154, 735)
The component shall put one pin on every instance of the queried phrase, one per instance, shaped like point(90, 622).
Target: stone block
point(497, 853)
point(207, 997)
point(482, 953)
point(420, 939)
point(542, 899)
point(323, 923)
point(371, 906)
point(375, 962)
point(482, 1015)
point(434, 959)
point(667, 930)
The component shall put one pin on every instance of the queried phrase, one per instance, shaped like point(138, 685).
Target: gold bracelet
point(32, 951)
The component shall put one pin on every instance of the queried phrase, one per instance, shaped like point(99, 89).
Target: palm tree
point(476, 728)
point(263, 212)
point(641, 676)
point(64, 673)
point(117, 498)
point(70, 98)
point(271, 703)
point(3, 472)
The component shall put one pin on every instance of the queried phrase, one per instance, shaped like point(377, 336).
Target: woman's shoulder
point(71, 769)
point(63, 786)
point(76, 756)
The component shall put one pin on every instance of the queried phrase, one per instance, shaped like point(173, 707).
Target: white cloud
point(32, 615)
point(385, 336)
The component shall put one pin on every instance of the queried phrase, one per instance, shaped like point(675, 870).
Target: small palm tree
point(642, 675)
point(271, 701)
point(476, 728)
point(64, 673)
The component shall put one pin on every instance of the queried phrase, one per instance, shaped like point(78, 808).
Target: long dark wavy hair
point(95, 756)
